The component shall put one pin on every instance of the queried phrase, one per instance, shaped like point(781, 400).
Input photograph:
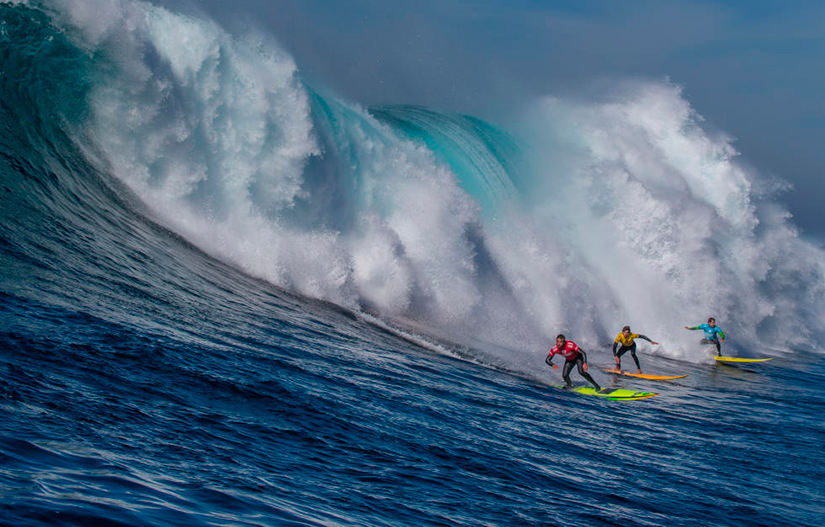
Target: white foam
point(663, 214)
point(634, 213)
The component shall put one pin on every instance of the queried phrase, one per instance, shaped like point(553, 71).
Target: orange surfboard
point(645, 375)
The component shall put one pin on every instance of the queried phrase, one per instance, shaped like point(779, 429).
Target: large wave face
point(580, 218)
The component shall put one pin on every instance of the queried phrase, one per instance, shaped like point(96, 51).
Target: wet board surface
point(739, 360)
point(648, 376)
point(614, 394)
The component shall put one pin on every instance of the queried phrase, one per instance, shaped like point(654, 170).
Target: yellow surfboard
point(738, 359)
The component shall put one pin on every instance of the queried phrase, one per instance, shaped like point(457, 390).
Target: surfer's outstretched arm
point(645, 337)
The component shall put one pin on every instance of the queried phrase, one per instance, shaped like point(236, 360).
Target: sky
point(752, 69)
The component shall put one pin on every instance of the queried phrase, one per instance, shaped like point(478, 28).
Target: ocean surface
point(228, 297)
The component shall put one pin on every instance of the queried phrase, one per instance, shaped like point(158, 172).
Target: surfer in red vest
point(573, 355)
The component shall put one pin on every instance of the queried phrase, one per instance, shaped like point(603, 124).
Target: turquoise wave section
point(486, 160)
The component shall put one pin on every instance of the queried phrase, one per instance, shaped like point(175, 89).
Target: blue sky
point(754, 69)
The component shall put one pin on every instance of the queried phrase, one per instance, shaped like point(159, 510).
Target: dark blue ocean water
point(230, 403)
point(144, 382)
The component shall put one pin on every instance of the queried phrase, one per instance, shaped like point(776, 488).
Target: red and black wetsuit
point(573, 355)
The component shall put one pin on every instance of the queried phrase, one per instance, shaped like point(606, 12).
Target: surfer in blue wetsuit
point(713, 334)
point(573, 356)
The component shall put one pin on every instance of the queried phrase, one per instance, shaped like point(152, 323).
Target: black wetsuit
point(573, 355)
point(579, 362)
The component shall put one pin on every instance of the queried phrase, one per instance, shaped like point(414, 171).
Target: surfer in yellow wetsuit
point(628, 343)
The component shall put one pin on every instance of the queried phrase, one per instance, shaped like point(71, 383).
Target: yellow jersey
point(628, 340)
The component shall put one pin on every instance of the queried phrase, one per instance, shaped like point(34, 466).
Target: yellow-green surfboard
point(614, 394)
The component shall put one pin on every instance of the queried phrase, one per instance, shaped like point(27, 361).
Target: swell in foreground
point(174, 197)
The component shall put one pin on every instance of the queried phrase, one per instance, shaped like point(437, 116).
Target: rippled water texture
point(226, 299)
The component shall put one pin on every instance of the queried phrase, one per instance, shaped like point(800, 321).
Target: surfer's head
point(711, 322)
point(560, 340)
point(626, 329)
